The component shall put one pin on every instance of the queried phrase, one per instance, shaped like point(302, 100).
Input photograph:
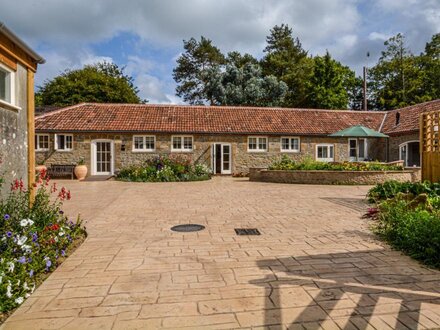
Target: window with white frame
point(7, 85)
point(144, 143)
point(41, 142)
point(325, 152)
point(290, 144)
point(182, 143)
point(63, 142)
point(257, 144)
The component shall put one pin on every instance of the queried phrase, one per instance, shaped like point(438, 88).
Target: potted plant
point(80, 170)
point(40, 166)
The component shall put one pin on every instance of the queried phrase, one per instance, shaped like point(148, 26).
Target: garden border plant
point(174, 168)
point(408, 218)
point(34, 239)
point(309, 164)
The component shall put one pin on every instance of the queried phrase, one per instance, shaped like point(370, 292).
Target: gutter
point(20, 43)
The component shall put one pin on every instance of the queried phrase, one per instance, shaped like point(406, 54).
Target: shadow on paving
point(395, 291)
point(356, 204)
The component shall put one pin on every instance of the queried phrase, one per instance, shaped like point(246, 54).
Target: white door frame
point(407, 153)
point(214, 156)
point(93, 157)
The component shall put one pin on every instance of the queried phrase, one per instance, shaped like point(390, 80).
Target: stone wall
point(13, 134)
point(242, 159)
point(332, 177)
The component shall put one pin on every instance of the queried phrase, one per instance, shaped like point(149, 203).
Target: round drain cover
point(187, 228)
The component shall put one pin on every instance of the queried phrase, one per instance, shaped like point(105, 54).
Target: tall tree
point(287, 60)
point(330, 83)
point(190, 72)
point(396, 80)
point(239, 60)
point(430, 63)
point(100, 82)
point(244, 85)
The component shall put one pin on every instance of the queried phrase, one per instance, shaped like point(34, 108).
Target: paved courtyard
point(316, 265)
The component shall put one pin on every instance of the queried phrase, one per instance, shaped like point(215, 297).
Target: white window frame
point(182, 148)
point(37, 142)
point(144, 149)
point(56, 143)
point(328, 145)
point(357, 158)
point(11, 102)
point(290, 144)
point(258, 143)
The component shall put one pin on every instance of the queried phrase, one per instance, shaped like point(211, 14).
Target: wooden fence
point(430, 145)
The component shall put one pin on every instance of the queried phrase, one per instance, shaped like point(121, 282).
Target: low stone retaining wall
point(333, 177)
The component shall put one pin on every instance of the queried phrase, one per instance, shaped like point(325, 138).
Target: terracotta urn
point(80, 172)
point(40, 168)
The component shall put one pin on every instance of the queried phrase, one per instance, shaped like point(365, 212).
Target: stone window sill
point(9, 106)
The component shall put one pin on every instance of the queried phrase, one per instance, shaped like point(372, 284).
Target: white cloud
point(378, 36)
point(64, 30)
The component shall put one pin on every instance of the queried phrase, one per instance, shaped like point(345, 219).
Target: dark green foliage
point(330, 83)
point(238, 60)
point(287, 61)
point(204, 75)
point(391, 189)
point(430, 64)
point(413, 226)
point(101, 82)
point(309, 164)
point(190, 72)
point(165, 169)
point(399, 78)
point(409, 218)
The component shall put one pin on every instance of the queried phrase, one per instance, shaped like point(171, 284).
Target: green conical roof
point(358, 131)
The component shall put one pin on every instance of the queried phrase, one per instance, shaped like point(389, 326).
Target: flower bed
point(33, 239)
point(287, 164)
point(408, 217)
point(165, 169)
point(313, 172)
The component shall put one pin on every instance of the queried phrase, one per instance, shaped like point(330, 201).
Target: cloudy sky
point(146, 35)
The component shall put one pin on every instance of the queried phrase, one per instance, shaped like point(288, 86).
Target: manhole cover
point(187, 228)
point(247, 231)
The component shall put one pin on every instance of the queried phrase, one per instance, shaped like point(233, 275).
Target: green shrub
point(33, 238)
point(390, 189)
point(308, 164)
point(165, 169)
point(412, 225)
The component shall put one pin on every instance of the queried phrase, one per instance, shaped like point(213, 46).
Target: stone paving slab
point(315, 266)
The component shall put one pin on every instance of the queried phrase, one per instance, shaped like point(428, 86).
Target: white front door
point(102, 157)
point(221, 158)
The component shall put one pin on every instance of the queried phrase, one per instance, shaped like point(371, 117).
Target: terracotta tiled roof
point(95, 117)
point(409, 118)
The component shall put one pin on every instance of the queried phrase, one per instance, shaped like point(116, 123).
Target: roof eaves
point(11, 35)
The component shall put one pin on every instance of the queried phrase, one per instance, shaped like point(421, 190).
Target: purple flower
point(61, 212)
point(22, 260)
point(34, 237)
point(29, 259)
point(31, 273)
point(48, 263)
point(63, 253)
point(9, 234)
point(7, 217)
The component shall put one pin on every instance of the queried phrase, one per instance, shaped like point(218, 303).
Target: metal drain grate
point(187, 228)
point(247, 231)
